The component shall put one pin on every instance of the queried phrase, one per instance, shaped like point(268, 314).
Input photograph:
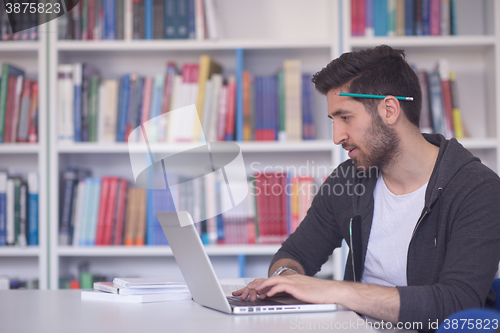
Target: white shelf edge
point(485, 143)
point(187, 45)
point(19, 148)
point(424, 41)
point(268, 146)
point(17, 251)
point(144, 251)
point(16, 46)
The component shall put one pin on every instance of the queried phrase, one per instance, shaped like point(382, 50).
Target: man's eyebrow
point(339, 112)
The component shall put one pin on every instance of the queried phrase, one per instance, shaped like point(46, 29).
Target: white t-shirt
point(394, 218)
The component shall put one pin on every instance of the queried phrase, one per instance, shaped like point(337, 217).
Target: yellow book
point(457, 115)
point(207, 67)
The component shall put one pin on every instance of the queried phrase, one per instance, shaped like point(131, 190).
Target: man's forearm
point(373, 301)
point(293, 264)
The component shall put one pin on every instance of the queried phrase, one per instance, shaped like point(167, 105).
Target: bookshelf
point(30, 262)
point(314, 41)
point(474, 57)
point(268, 31)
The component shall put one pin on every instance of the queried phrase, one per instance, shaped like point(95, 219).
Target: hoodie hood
point(451, 158)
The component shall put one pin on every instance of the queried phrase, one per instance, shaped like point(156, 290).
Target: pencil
point(401, 98)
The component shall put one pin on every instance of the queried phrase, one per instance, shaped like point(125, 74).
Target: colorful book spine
point(3, 208)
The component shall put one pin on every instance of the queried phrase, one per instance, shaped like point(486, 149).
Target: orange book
point(103, 200)
point(140, 234)
point(131, 217)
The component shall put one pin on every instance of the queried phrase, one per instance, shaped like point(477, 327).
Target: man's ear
point(389, 110)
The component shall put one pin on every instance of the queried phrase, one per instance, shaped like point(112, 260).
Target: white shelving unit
point(268, 31)
point(30, 262)
point(313, 41)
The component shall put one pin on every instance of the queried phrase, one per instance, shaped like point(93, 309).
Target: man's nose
point(339, 134)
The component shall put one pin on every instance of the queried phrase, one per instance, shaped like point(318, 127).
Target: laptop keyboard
point(237, 301)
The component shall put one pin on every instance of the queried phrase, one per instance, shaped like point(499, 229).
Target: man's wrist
point(284, 270)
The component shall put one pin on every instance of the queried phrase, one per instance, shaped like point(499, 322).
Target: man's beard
point(382, 146)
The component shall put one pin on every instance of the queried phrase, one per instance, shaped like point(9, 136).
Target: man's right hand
point(245, 292)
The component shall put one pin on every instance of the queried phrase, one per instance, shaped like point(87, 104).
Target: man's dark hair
point(378, 71)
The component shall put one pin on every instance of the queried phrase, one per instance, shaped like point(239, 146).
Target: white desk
point(62, 311)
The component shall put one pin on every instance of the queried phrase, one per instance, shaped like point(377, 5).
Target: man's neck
point(413, 167)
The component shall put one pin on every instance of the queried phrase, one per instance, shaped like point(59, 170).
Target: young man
point(429, 212)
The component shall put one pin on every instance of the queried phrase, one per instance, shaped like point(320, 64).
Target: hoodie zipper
point(418, 223)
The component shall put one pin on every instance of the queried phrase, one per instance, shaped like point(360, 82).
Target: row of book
point(403, 17)
point(18, 210)
point(440, 102)
point(107, 211)
point(18, 106)
point(8, 283)
point(140, 19)
point(26, 23)
point(278, 107)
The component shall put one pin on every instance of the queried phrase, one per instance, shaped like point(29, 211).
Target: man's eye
point(344, 118)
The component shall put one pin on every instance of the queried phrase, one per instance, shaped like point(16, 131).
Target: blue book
point(170, 19)
point(148, 19)
point(151, 198)
point(191, 19)
point(380, 17)
point(410, 17)
point(32, 209)
point(182, 30)
point(109, 19)
point(239, 95)
point(84, 221)
point(453, 17)
point(436, 103)
point(94, 210)
point(258, 103)
point(426, 17)
point(123, 108)
point(369, 13)
point(275, 106)
point(3, 208)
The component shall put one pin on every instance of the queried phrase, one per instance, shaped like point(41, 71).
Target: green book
point(7, 71)
point(281, 104)
point(93, 107)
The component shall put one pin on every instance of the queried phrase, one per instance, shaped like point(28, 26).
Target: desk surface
point(63, 311)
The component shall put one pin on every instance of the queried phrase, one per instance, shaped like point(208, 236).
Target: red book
point(260, 194)
point(33, 124)
point(121, 204)
point(102, 211)
point(16, 108)
point(354, 18)
point(23, 121)
point(447, 103)
point(110, 211)
point(231, 108)
point(283, 197)
point(435, 17)
point(9, 111)
point(91, 18)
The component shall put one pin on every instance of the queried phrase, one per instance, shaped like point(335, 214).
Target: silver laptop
point(200, 277)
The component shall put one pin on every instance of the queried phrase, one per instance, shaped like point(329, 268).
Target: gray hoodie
point(454, 252)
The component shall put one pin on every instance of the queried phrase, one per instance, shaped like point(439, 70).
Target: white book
point(128, 20)
point(103, 296)
point(147, 283)
point(199, 20)
point(101, 112)
point(174, 122)
point(109, 110)
point(211, 135)
point(211, 207)
point(110, 287)
point(65, 103)
point(211, 19)
point(207, 105)
point(80, 191)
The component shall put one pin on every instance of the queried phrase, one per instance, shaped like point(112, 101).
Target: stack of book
point(405, 17)
point(275, 107)
point(138, 290)
point(140, 19)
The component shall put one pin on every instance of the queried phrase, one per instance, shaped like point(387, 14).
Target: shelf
point(186, 45)
point(16, 46)
point(255, 147)
point(16, 251)
point(485, 143)
point(425, 41)
point(19, 148)
point(159, 251)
